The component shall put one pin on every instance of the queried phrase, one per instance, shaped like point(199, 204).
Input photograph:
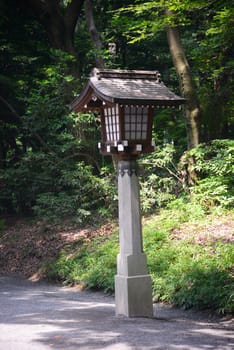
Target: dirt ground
point(26, 246)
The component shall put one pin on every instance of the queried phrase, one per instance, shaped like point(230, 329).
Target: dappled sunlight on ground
point(41, 316)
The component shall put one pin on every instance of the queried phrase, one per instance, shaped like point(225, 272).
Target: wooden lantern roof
point(124, 87)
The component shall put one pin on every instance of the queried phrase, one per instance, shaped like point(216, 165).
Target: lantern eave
point(125, 87)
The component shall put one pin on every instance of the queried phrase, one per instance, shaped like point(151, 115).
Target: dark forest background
point(49, 163)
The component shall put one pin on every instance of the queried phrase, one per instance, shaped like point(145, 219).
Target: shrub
point(160, 180)
point(77, 194)
point(205, 173)
point(188, 274)
point(183, 272)
point(212, 169)
point(92, 265)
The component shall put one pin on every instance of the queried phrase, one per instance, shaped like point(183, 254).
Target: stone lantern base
point(133, 289)
point(133, 296)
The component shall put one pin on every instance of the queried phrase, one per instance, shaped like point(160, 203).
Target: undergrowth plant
point(212, 168)
point(160, 180)
point(76, 194)
point(204, 175)
point(189, 274)
point(92, 265)
point(185, 273)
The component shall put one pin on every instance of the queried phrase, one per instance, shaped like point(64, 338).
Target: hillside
point(25, 247)
point(191, 263)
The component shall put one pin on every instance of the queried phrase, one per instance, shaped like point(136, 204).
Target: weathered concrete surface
point(133, 296)
point(133, 287)
point(39, 316)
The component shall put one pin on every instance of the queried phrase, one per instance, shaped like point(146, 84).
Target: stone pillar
point(133, 289)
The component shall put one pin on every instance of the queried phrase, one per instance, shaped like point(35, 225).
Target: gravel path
point(41, 316)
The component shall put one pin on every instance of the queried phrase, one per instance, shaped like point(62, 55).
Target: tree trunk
point(58, 21)
point(94, 33)
point(192, 107)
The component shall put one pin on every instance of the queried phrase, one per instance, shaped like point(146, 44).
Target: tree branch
point(94, 33)
point(73, 11)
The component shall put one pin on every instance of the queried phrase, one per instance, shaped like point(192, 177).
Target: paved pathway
point(40, 316)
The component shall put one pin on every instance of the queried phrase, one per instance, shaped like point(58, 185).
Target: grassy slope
point(191, 263)
point(190, 255)
point(190, 258)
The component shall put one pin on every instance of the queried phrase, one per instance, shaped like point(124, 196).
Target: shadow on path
point(40, 316)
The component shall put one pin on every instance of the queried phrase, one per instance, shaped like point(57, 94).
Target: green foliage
point(41, 142)
point(169, 126)
point(214, 191)
point(159, 178)
point(92, 265)
point(76, 194)
point(204, 173)
point(56, 190)
point(214, 158)
point(206, 31)
point(56, 177)
point(146, 18)
point(182, 210)
point(190, 276)
point(213, 165)
point(183, 272)
point(221, 23)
